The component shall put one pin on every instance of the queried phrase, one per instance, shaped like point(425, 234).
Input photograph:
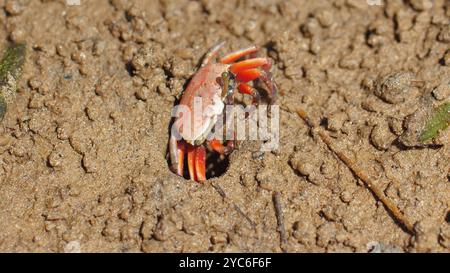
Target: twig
point(280, 220)
point(238, 209)
point(359, 172)
point(235, 206)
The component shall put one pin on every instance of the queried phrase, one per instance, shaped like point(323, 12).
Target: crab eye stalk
point(225, 82)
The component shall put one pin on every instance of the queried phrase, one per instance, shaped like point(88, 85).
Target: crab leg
point(248, 75)
point(217, 146)
point(238, 54)
point(252, 74)
point(267, 78)
point(177, 150)
point(247, 89)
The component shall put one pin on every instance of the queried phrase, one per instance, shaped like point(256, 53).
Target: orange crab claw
point(200, 163)
point(191, 161)
point(248, 75)
point(248, 64)
point(196, 162)
point(181, 150)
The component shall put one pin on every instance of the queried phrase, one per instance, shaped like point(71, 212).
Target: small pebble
point(396, 125)
point(444, 35)
point(444, 236)
point(269, 180)
point(336, 120)
point(397, 87)
point(34, 83)
point(421, 5)
point(55, 159)
point(72, 247)
point(220, 238)
point(147, 229)
point(325, 18)
point(18, 35)
point(4, 140)
point(89, 163)
point(316, 45)
point(303, 167)
point(305, 232)
point(13, 7)
point(346, 197)
point(375, 247)
point(143, 93)
point(442, 91)
point(79, 57)
point(163, 230)
point(62, 50)
point(446, 58)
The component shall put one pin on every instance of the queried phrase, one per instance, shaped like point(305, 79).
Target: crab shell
point(195, 125)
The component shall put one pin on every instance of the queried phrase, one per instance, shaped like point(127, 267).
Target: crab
point(214, 84)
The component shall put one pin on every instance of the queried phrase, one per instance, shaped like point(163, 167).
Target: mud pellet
point(304, 232)
point(346, 197)
point(381, 137)
point(219, 239)
point(4, 140)
point(325, 18)
point(396, 126)
point(444, 35)
point(336, 120)
point(143, 93)
point(55, 159)
point(90, 163)
point(34, 83)
point(18, 35)
point(396, 88)
point(162, 231)
point(146, 231)
point(315, 45)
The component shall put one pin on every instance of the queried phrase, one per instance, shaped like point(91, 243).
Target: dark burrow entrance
point(216, 164)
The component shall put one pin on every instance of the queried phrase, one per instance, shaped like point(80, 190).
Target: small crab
point(215, 84)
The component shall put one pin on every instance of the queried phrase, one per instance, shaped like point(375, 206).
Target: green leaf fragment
point(10, 71)
point(439, 120)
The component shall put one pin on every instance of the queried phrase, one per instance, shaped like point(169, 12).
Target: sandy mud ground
point(83, 146)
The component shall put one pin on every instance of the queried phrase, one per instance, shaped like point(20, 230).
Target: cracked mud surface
point(83, 146)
